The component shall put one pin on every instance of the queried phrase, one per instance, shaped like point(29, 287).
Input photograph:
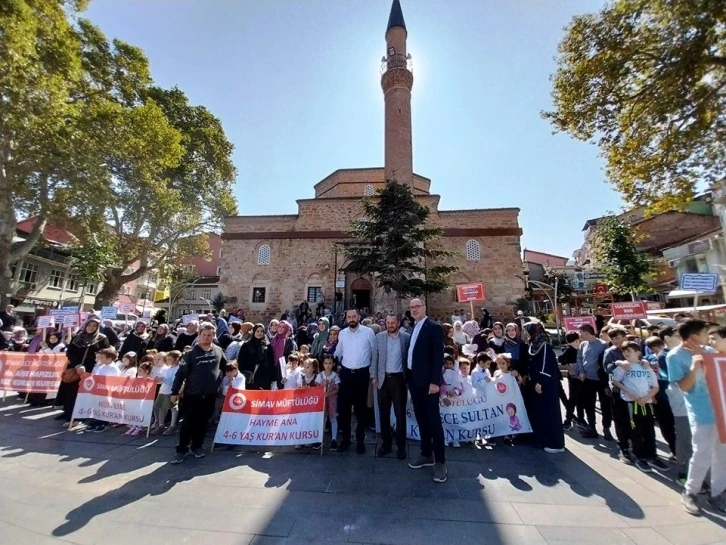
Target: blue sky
point(296, 84)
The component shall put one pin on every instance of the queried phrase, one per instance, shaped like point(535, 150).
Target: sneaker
point(420, 462)
point(658, 464)
point(567, 426)
point(643, 466)
point(455, 444)
point(682, 480)
point(179, 457)
point(626, 458)
point(100, 428)
point(333, 445)
point(549, 450)
point(718, 503)
point(607, 435)
point(690, 505)
point(440, 472)
point(138, 430)
point(198, 453)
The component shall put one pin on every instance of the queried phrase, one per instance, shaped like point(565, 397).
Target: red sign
point(572, 323)
point(714, 367)
point(37, 373)
point(469, 292)
point(600, 289)
point(629, 310)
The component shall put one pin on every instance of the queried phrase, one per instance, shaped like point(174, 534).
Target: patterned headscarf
point(471, 328)
point(538, 337)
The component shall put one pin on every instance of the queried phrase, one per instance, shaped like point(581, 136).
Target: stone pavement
point(58, 486)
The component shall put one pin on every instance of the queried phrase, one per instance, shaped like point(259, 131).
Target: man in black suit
point(425, 360)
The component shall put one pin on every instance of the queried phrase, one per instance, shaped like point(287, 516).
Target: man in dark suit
point(389, 356)
point(424, 363)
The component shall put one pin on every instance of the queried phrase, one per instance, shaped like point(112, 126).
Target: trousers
point(197, 412)
point(353, 395)
point(393, 392)
point(428, 417)
point(643, 423)
point(708, 453)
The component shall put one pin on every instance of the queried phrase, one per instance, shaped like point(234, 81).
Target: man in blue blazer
point(387, 374)
point(424, 363)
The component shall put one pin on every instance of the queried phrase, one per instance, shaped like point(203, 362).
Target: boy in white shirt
point(294, 372)
point(464, 366)
point(638, 385)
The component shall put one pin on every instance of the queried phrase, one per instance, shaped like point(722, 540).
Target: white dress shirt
point(414, 337)
point(355, 348)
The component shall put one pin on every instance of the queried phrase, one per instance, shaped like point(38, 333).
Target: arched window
point(263, 255)
point(472, 250)
point(368, 191)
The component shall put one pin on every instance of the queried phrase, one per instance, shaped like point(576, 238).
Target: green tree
point(394, 246)
point(646, 81)
point(616, 254)
point(218, 301)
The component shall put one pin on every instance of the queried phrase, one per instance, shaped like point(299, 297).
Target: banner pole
point(471, 307)
point(27, 395)
point(70, 424)
point(148, 430)
point(322, 430)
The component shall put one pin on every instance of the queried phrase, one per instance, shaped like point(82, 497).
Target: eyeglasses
point(414, 307)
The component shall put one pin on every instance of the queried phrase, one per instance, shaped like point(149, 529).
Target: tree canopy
point(88, 142)
point(616, 254)
point(395, 248)
point(646, 81)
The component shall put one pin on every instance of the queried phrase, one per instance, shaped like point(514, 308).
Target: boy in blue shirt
point(684, 368)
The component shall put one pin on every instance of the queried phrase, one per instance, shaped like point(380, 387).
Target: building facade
point(271, 264)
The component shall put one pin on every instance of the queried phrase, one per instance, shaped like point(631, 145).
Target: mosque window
point(472, 250)
point(368, 190)
point(263, 255)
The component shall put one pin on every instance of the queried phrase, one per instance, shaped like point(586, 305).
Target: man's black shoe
point(360, 448)
point(384, 450)
point(402, 454)
point(607, 435)
point(589, 434)
point(344, 445)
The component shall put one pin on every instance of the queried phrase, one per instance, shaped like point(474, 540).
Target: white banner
point(496, 410)
point(109, 313)
point(121, 400)
point(189, 318)
point(275, 418)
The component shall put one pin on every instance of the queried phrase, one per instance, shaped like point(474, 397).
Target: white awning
point(679, 294)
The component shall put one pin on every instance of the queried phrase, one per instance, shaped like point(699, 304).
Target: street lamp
point(553, 301)
point(208, 302)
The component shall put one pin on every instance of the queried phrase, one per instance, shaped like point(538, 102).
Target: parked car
point(640, 327)
point(123, 319)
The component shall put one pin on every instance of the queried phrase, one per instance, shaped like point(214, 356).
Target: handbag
point(71, 374)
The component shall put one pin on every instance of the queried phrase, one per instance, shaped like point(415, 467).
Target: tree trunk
point(8, 223)
point(109, 292)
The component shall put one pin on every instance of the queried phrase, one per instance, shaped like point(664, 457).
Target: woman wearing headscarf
point(243, 333)
point(320, 339)
point(460, 337)
point(449, 338)
point(163, 341)
point(272, 329)
point(136, 341)
point(331, 344)
point(282, 343)
point(255, 361)
point(545, 416)
point(82, 356)
point(514, 345)
point(53, 344)
point(19, 341)
point(496, 342)
point(486, 321)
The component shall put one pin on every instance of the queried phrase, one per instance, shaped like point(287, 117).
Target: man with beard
point(355, 350)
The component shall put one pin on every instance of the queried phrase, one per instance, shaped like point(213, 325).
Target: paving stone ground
point(65, 487)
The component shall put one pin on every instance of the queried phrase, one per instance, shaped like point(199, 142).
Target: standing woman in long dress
point(546, 416)
point(81, 354)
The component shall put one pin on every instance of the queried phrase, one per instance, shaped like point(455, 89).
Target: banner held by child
point(31, 373)
point(272, 418)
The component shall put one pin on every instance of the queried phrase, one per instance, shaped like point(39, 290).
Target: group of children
point(660, 380)
point(160, 367)
point(303, 371)
point(458, 381)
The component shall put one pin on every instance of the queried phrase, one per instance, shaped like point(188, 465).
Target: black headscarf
point(538, 337)
point(86, 338)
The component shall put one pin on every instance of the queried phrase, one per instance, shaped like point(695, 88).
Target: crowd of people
point(637, 382)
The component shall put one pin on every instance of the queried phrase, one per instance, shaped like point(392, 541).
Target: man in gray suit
point(387, 374)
